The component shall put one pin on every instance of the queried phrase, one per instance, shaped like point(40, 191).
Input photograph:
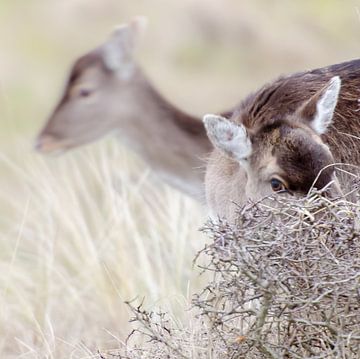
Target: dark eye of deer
point(85, 93)
point(277, 185)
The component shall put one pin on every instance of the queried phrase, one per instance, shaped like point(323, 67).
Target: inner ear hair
point(119, 48)
point(319, 110)
point(229, 137)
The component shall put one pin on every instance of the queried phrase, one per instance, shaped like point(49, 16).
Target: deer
point(108, 92)
point(285, 138)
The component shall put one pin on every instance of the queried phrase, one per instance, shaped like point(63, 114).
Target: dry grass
point(72, 250)
point(286, 281)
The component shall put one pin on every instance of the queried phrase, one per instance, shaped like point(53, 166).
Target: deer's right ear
point(229, 137)
point(119, 48)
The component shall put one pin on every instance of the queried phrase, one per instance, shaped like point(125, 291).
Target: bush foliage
point(285, 284)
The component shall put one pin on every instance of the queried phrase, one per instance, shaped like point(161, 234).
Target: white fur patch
point(326, 106)
point(229, 137)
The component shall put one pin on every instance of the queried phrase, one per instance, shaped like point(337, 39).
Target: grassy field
point(72, 250)
point(83, 232)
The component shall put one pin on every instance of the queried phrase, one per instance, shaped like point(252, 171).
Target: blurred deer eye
point(85, 92)
point(277, 185)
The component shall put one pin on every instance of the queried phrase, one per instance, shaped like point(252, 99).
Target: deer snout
point(48, 143)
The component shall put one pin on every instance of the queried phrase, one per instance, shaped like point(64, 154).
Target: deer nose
point(47, 143)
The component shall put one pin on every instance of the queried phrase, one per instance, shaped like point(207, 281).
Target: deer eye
point(85, 92)
point(277, 185)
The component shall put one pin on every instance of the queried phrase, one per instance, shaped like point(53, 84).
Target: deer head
point(284, 155)
point(100, 89)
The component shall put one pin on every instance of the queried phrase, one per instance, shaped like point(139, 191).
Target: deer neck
point(170, 141)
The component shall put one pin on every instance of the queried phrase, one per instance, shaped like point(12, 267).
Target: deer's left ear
point(318, 112)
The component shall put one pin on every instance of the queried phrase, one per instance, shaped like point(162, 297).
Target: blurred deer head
point(107, 92)
point(99, 91)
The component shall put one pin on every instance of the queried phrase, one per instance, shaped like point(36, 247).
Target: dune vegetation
point(82, 233)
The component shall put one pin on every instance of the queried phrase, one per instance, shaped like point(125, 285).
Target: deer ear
point(231, 138)
point(119, 48)
point(318, 112)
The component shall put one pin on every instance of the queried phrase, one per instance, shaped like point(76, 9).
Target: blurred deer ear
point(119, 48)
point(318, 112)
point(228, 136)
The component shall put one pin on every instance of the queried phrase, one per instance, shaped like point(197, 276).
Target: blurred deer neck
point(170, 141)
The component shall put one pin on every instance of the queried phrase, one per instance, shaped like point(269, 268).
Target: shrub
point(285, 284)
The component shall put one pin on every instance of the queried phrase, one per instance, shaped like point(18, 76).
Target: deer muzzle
point(49, 144)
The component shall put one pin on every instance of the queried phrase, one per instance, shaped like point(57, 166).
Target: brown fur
point(284, 145)
point(283, 97)
point(299, 159)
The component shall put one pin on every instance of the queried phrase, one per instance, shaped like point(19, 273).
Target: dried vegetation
point(286, 284)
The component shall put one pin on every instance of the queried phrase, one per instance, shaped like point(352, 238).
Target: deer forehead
point(267, 166)
point(295, 154)
point(88, 77)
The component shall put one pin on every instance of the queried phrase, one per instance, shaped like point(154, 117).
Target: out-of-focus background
point(83, 232)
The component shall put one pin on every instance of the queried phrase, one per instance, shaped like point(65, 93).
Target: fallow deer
point(108, 92)
point(285, 137)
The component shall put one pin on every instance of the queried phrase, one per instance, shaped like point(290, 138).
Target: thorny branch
point(286, 284)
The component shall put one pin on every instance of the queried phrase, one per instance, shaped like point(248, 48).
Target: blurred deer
point(108, 92)
point(285, 137)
